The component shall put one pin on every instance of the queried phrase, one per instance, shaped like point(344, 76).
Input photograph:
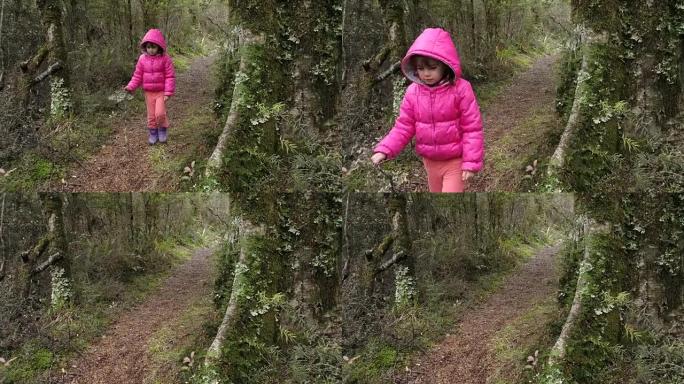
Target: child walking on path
point(441, 111)
point(155, 72)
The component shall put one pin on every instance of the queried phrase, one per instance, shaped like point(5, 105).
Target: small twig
point(219, 218)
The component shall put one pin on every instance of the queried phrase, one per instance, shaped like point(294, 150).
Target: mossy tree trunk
point(55, 53)
point(54, 244)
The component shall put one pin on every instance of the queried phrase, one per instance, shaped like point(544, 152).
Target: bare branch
point(394, 68)
point(51, 69)
point(51, 260)
point(393, 260)
point(219, 218)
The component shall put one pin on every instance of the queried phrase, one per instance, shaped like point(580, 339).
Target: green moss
point(369, 367)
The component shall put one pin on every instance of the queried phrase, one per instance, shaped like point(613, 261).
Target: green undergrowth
point(67, 142)
point(198, 133)
point(67, 332)
point(178, 348)
point(534, 139)
point(442, 301)
point(523, 344)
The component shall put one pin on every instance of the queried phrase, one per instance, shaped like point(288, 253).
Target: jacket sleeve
point(169, 77)
point(471, 128)
point(136, 80)
point(403, 131)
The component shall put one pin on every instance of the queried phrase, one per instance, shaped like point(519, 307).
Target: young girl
point(155, 72)
point(440, 110)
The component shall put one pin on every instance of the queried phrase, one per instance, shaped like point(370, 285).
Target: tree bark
point(585, 38)
point(215, 160)
point(558, 351)
point(233, 310)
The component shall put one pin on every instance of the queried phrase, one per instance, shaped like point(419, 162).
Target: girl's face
point(430, 71)
point(151, 49)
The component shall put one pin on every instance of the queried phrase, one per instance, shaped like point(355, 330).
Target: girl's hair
point(417, 60)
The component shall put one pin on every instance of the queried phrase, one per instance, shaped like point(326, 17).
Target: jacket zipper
point(432, 115)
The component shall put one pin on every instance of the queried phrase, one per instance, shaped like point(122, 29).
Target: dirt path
point(517, 123)
point(121, 356)
point(124, 163)
point(465, 357)
point(520, 125)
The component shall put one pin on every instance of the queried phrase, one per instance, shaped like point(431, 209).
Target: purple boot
point(152, 138)
point(162, 135)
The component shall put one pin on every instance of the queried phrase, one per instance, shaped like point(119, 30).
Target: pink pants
point(156, 110)
point(444, 176)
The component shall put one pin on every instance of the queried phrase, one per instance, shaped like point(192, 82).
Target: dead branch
point(50, 70)
point(51, 260)
point(219, 218)
point(394, 68)
point(393, 260)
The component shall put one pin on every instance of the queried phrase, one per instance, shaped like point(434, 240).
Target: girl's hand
point(127, 90)
point(166, 98)
point(467, 175)
point(378, 157)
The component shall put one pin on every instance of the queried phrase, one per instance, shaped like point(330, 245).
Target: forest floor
point(494, 339)
point(520, 126)
point(146, 344)
point(126, 162)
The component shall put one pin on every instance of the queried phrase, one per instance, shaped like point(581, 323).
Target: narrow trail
point(124, 164)
point(121, 355)
point(516, 125)
point(466, 357)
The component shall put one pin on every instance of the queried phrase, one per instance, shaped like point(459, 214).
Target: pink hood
point(444, 119)
point(437, 44)
point(154, 36)
point(154, 73)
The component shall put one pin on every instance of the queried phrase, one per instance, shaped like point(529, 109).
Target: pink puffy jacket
point(445, 119)
point(154, 73)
